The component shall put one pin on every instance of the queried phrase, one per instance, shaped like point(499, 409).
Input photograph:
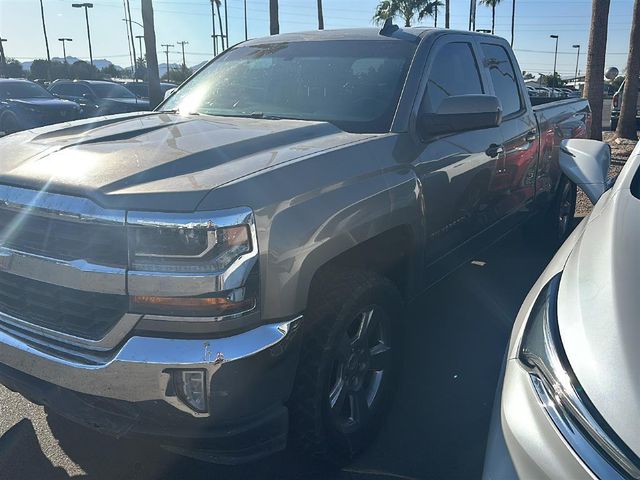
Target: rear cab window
point(504, 78)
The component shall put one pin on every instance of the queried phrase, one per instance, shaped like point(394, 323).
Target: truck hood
point(156, 161)
point(598, 313)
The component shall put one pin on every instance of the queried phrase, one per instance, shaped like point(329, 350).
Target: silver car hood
point(156, 161)
point(599, 310)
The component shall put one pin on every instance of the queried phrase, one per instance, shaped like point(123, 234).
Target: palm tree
point(627, 127)
point(320, 16)
point(594, 79)
point(274, 24)
point(493, 4)
point(406, 9)
point(153, 76)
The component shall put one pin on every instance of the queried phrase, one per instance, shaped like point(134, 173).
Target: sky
point(190, 20)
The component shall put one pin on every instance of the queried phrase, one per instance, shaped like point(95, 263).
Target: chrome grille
point(83, 314)
point(63, 239)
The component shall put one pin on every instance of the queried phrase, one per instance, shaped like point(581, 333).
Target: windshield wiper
point(263, 115)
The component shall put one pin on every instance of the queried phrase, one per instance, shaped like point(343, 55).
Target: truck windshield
point(350, 83)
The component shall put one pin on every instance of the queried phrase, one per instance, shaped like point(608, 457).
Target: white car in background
point(568, 401)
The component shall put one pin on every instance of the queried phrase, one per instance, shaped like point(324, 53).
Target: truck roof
point(408, 34)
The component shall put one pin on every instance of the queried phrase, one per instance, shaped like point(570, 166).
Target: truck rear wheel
point(348, 365)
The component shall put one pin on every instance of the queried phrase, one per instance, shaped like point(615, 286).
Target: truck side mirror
point(586, 163)
point(460, 113)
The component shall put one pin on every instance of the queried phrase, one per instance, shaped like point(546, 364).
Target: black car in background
point(98, 97)
point(141, 89)
point(25, 104)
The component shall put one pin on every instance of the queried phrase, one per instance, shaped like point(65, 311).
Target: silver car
point(567, 405)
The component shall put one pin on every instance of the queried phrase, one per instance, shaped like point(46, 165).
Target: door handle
point(531, 136)
point(494, 150)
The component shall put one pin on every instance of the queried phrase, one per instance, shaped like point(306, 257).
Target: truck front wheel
point(348, 365)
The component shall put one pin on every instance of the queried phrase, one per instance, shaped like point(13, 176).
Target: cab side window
point(454, 71)
point(504, 78)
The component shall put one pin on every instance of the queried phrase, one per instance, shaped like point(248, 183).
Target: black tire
point(562, 211)
point(552, 227)
point(9, 124)
point(324, 416)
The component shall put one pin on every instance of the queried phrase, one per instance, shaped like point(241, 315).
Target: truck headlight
point(187, 248)
point(560, 394)
point(192, 265)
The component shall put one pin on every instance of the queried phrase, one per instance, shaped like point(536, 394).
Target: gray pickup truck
point(228, 272)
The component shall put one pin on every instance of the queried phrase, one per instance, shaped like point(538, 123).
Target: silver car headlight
point(560, 394)
point(195, 265)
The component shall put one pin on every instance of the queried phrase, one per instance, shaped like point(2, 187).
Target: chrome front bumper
point(137, 372)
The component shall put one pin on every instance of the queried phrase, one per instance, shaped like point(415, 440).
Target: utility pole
point(64, 47)
point(575, 81)
point(133, 42)
point(555, 62)
point(184, 61)
point(167, 46)
point(140, 37)
point(246, 30)
point(86, 7)
point(213, 27)
point(44, 29)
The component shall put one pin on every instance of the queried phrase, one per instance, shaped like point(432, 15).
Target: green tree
point(493, 4)
point(177, 75)
point(84, 71)
point(39, 69)
point(627, 127)
point(11, 69)
point(110, 71)
point(405, 9)
point(548, 81)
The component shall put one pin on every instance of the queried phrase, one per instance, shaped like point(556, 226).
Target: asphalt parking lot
point(456, 336)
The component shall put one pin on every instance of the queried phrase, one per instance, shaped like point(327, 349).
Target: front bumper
point(249, 378)
point(524, 442)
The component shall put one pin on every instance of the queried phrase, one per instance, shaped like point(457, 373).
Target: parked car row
point(548, 92)
point(25, 104)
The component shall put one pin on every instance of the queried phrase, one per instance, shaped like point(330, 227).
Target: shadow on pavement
point(21, 455)
point(455, 338)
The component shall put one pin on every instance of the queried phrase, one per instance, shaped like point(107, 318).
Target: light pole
point(86, 7)
point(555, 62)
point(64, 47)
point(575, 78)
point(184, 61)
point(167, 46)
point(226, 23)
point(213, 27)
